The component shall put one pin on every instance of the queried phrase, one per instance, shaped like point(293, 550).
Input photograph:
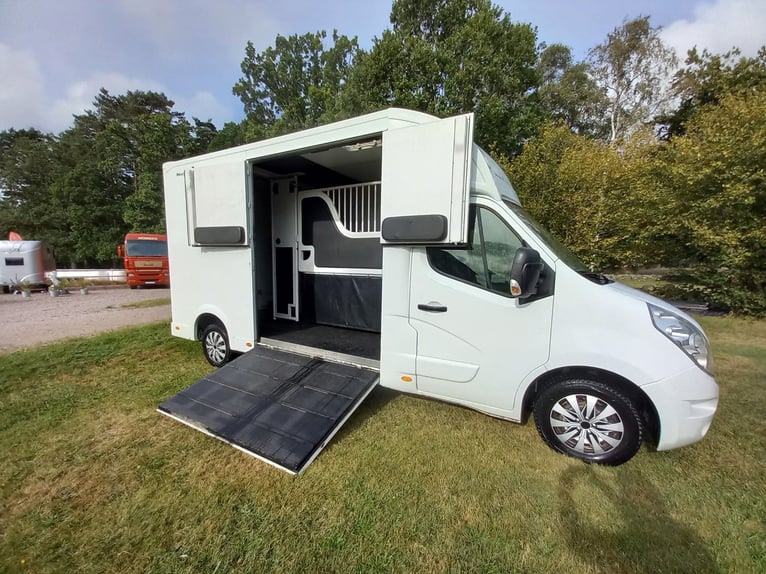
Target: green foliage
point(707, 77)
point(27, 167)
point(230, 135)
point(599, 201)
point(697, 203)
point(569, 94)
point(158, 139)
point(716, 176)
point(294, 84)
point(81, 192)
point(447, 57)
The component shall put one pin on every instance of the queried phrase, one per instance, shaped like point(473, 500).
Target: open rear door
point(426, 182)
point(280, 407)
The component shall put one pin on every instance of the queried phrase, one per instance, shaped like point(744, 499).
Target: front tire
point(215, 345)
point(590, 421)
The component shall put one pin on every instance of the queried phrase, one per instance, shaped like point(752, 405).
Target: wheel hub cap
point(586, 424)
point(215, 346)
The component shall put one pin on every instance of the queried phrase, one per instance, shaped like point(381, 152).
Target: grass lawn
point(93, 479)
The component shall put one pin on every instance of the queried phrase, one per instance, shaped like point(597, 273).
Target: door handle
point(432, 308)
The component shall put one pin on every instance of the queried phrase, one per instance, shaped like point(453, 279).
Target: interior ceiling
point(361, 164)
point(327, 168)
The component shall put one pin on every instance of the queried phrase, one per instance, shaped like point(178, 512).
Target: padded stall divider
point(331, 247)
point(352, 301)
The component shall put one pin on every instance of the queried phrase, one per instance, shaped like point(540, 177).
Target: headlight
point(684, 334)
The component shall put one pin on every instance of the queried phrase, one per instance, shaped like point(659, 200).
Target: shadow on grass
point(622, 525)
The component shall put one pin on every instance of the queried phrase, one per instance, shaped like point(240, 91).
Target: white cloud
point(23, 103)
point(21, 89)
point(79, 96)
point(719, 27)
point(177, 26)
point(204, 106)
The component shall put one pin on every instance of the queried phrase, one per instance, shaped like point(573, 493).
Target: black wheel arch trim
point(204, 321)
point(648, 412)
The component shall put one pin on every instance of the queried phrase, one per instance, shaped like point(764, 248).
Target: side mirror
point(120, 251)
point(525, 272)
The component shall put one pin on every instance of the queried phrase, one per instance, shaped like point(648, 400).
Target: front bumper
point(685, 403)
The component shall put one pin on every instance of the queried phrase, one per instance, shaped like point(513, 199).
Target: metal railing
point(357, 206)
point(115, 275)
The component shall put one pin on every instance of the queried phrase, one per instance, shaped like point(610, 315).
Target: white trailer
point(24, 263)
point(391, 249)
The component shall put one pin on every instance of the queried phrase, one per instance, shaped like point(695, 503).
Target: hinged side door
point(426, 182)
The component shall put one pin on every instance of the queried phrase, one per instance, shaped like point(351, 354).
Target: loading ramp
point(281, 407)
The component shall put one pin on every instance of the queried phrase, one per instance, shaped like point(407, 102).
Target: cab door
point(475, 343)
point(426, 177)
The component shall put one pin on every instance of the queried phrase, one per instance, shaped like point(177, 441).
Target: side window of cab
point(487, 258)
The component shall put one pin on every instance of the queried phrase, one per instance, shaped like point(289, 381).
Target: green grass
point(142, 304)
point(92, 479)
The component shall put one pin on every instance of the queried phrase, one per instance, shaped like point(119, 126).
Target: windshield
point(488, 178)
point(558, 248)
point(144, 248)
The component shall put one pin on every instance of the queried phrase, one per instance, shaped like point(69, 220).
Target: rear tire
point(590, 421)
point(215, 345)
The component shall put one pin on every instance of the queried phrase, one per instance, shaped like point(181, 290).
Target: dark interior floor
point(336, 339)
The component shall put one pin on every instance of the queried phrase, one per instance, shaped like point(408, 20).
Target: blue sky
point(56, 54)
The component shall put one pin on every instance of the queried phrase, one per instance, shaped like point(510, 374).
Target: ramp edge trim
point(204, 430)
point(338, 426)
point(316, 352)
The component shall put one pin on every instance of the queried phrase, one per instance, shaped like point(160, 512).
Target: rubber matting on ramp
point(279, 406)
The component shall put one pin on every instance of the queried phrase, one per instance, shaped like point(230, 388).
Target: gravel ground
point(43, 319)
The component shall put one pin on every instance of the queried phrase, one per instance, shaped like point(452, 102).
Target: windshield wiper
point(596, 277)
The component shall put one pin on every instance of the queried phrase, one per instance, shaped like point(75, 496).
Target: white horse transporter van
point(390, 249)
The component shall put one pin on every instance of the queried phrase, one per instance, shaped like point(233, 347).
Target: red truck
point(146, 259)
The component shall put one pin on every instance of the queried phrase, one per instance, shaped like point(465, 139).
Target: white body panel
point(463, 353)
point(487, 351)
point(208, 280)
point(212, 190)
point(418, 162)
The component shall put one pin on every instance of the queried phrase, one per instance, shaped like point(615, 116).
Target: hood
point(646, 298)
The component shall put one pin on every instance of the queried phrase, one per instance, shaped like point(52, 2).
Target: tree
point(110, 176)
point(294, 84)
point(83, 190)
point(159, 139)
point(715, 174)
point(202, 135)
point(632, 67)
point(230, 135)
point(605, 204)
point(569, 94)
point(27, 167)
point(448, 57)
point(707, 78)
